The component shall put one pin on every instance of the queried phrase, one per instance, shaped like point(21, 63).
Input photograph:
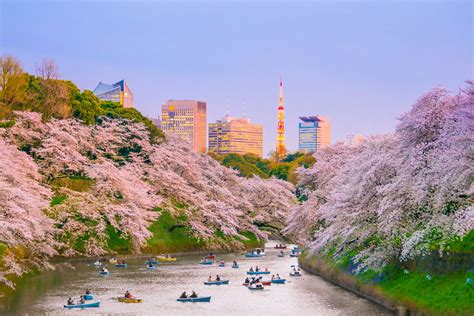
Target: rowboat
point(279, 281)
point(165, 259)
point(104, 272)
point(88, 297)
point(235, 266)
point(252, 255)
point(121, 265)
point(280, 247)
point(221, 265)
point(295, 274)
point(195, 299)
point(265, 283)
point(205, 262)
point(296, 254)
point(255, 286)
point(97, 263)
point(281, 255)
point(129, 300)
point(216, 282)
point(212, 257)
point(151, 261)
point(151, 268)
point(85, 305)
point(258, 272)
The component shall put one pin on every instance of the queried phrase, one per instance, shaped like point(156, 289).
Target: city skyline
point(338, 63)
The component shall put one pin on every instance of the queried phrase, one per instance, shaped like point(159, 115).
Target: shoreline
point(350, 283)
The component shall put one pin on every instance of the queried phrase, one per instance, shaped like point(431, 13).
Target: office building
point(236, 135)
point(353, 140)
point(186, 118)
point(118, 92)
point(314, 132)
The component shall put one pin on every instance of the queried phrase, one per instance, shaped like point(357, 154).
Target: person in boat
point(82, 300)
point(281, 252)
point(266, 269)
point(235, 263)
point(247, 281)
point(128, 295)
point(210, 279)
point(278, 277)
point(257, 269)
point(218, 278)
point(150, 265)
point(193, 295)
point(104, 269)
point(273, 277)
point(298, 269)
point(183, 295)
point(88, 291)
point(70, 301)
point(251, 269)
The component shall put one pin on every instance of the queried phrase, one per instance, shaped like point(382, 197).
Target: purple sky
point(362, 63)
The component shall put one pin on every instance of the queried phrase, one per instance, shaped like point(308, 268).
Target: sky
point(360, 63)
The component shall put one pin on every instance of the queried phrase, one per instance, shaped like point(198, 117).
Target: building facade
point(353, 140)
point(236, 135)
point(186, 118)
point(118, 92)
point(314, 132)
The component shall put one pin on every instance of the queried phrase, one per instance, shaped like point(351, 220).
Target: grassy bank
point(417, 291)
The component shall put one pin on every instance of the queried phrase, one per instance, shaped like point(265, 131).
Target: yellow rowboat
point(129, 300)
point(160, 258)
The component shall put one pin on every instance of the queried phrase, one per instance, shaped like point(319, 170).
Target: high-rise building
point(353, 140)
point(118, 92)
point(186, 118)
point(280, 145)
point(235, 135)
point(314, 132)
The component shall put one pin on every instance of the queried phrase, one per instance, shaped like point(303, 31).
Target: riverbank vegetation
point(249, 165)
point(384, 205)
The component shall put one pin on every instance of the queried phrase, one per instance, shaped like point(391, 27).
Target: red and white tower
point(280, 145)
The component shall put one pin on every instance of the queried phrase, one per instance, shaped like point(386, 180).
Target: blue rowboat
point(151, 268)
point(85, 305)
point(221, 265)
point(217, 282)
point(258, 272)
point(279, 281)
point(88, 297)
point(152, 261)
point(121, 265)
point(205, 262)
point(235, 266)
point(252, 255)
point(294, 254)
point(104, 272)
point(195, 299)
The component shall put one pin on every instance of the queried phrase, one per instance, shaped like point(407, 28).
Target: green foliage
point(170, 233)
point(85, 106)
point(3, 250)
point(58, 199)
point(75, 183)
point(7, 124)
point(252, 240)
point(249, 165)
point(463, 244)
point(117, 241)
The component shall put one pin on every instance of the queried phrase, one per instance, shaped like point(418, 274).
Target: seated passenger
point(183, 295)
point(70, 301)
point(88, 291)
point(247, 280)
point(82, 301)
point(210, 279)
point(193, 295)
point(218, 278)
point(128, 295)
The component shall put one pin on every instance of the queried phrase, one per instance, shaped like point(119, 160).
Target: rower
point(70, 301)
point(193, 295)
point(183, 295)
